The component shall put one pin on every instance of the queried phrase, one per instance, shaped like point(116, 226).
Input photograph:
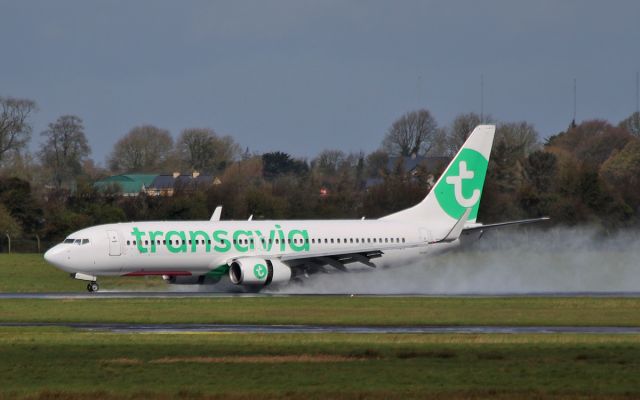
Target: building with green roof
point(125, 184)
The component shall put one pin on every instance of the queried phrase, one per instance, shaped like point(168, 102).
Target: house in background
point(126, 184)
point(432, 165)
point(167, 185)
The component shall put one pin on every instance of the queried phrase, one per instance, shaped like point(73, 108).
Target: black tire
point(89, 288)
point(94, 286)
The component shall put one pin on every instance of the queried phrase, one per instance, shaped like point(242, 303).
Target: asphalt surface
point(178, 294)
point(224, 328)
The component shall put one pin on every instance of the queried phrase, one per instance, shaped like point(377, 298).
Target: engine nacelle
point(257, 271)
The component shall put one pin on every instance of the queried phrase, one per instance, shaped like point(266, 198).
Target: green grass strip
point(518, 311)
point(60, 363)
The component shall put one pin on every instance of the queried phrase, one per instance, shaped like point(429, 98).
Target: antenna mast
point(575, 96)
point(482, 98)
point(636, 128)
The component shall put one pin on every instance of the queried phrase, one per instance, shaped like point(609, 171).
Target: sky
point(301, 76)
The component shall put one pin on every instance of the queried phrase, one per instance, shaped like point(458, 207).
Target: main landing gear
point(93, 286)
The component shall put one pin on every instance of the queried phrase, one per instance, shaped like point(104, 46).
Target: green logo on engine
point(461, 187)
point(260, 271)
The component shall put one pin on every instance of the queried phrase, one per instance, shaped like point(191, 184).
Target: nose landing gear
point(93, 286)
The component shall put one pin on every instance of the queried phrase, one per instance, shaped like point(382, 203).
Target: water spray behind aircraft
point(505, 262)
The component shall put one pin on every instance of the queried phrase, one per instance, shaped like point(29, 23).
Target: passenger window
point(402, 240)
point(134, 242)
point(338, 240)
point(128, 242)
point(331, 240)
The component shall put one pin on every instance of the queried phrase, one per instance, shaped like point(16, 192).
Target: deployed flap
point(455, 232)
point(216, 214)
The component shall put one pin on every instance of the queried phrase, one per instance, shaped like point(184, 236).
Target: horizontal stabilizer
point(481, 227)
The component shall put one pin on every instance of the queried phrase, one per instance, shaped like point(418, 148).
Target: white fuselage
point(198, 247)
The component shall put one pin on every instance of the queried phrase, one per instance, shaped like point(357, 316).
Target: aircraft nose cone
point(55, 256)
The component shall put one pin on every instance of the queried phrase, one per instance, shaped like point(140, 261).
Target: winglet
point(455, 232)
point(216, 214)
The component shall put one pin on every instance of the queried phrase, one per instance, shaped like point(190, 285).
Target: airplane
point(255, 254)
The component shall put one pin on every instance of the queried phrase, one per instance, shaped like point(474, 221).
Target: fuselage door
point(114, 243)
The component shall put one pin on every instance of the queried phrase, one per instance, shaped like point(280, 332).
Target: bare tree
point(329, 161)
point(521, 138)
point(461, 128)
point(413, 133)
point(144, 149)
point(15, 130)
point(195, 149)
point(632, 124)
point(201, 149)
point(65, 148)
point(226, 151)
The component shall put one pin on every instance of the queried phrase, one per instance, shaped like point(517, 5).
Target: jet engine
point(257, 271)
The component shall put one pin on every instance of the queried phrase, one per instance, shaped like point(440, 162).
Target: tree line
point(585, 174)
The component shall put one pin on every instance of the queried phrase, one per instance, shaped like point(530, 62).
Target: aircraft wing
point(338, 258)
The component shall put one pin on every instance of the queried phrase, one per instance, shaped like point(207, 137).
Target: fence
point(24, 245)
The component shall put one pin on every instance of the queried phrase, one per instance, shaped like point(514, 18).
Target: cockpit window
point(85, 241)
point(68, 240)
point(78, 241)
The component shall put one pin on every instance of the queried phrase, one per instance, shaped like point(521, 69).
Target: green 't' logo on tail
point(461, 186)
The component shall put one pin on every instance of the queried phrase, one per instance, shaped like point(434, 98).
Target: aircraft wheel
point(93, 287)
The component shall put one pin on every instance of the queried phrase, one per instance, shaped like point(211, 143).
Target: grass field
point(59, 364)
point(332, 311)
point(30, 273)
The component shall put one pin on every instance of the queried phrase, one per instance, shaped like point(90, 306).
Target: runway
point(310, 329)
point(178, 294)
